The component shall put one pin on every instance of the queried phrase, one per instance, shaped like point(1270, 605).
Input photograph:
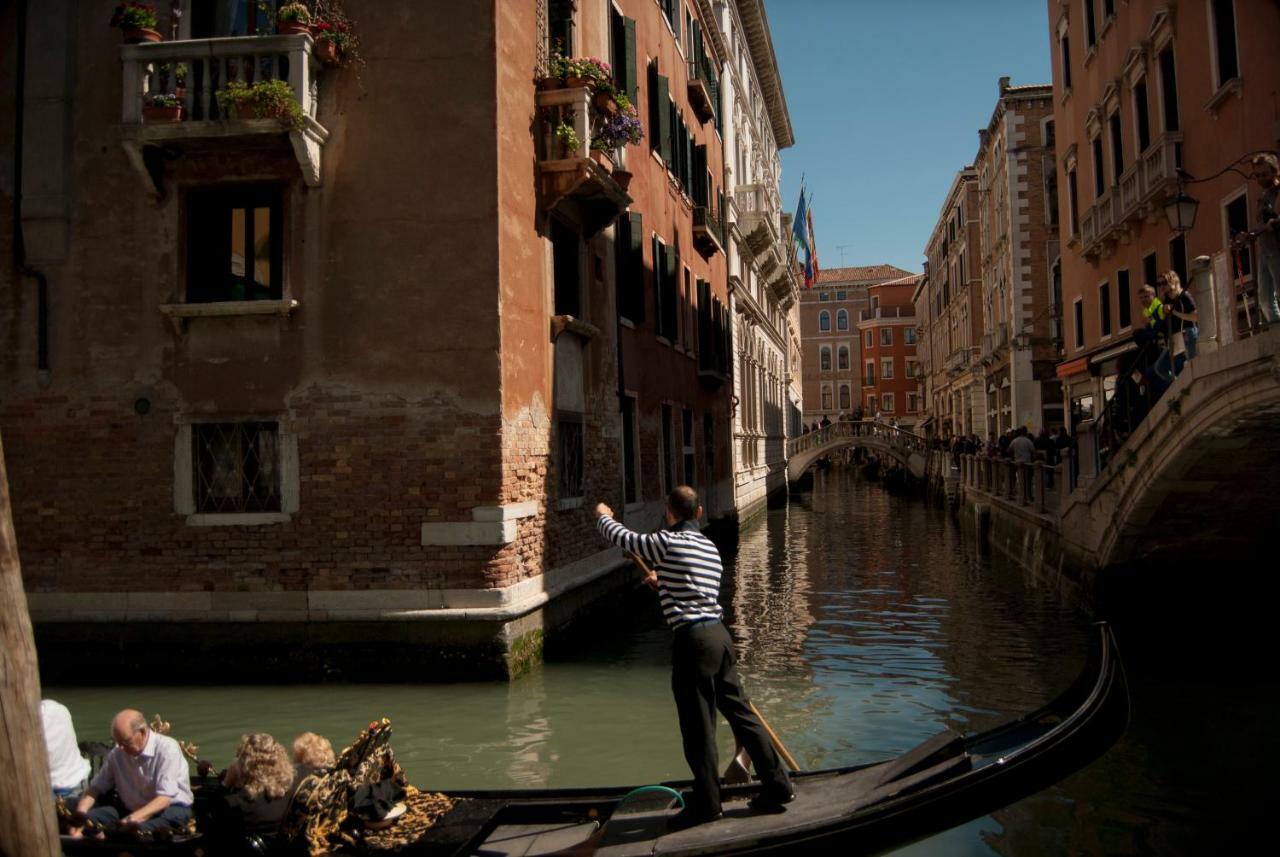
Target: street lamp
point(1181, 211)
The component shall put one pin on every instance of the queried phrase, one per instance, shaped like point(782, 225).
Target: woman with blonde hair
point(311, 752)
point(255, 789)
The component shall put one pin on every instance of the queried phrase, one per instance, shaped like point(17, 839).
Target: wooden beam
point(27, 824)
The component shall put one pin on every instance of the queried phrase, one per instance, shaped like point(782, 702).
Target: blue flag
point(799, 228)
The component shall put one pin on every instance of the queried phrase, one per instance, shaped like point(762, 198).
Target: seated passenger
point(255, 790)
point(312, 751)
point(68, 770)
point(149, 775)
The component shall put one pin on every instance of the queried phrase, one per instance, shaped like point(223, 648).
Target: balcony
point(708, 230)
point(571, 180)
point(1160, 170)
point(757, 217)
point(958, 360)
point(148, 70)
point(1130, 191)
point(886, 312)
point(1141, 193)
point(702, 88)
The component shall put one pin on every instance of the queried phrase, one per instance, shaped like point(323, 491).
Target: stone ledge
point(499, 604)
point(469, 533)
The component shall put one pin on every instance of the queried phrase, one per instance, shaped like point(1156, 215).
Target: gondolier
point(703, 672)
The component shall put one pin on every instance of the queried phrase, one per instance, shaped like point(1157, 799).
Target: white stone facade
point(763, 293)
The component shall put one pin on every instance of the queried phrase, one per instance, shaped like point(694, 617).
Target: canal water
point(866, 623)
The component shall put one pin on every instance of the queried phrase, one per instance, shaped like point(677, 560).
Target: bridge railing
point(894, 436)
point(1037, 485)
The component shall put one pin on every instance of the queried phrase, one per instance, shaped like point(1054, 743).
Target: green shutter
point(659, 284)
point(628, 72)
point(663, 100)
point(635, 262)
point(700, 188)
point(671, 292)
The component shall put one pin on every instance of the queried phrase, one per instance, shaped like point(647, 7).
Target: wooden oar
point(737, 771)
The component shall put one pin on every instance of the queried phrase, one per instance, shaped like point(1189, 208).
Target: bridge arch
point(1199, 479)
point(902, 445)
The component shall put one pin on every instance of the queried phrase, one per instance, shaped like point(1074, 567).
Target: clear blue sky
point(886, 99)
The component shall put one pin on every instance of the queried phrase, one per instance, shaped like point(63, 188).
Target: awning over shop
point(1103, 356)
point(1073, 367)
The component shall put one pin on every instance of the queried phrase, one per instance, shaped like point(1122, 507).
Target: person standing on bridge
point(704, 674)
point(1266, 172)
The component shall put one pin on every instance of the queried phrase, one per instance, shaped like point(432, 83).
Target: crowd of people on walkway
point(143, 784)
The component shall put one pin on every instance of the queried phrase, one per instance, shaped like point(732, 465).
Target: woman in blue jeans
point(1182, 318)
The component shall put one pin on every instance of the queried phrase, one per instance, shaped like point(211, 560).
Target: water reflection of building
point(770, 598)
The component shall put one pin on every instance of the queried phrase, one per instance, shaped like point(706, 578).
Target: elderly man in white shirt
point(148, 772)
point(68, 770)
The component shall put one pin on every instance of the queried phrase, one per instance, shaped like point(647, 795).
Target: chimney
point(1004, 84)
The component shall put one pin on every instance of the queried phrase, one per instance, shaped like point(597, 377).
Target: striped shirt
point(687, 563)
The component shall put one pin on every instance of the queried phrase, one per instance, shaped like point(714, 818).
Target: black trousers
point(704, 678)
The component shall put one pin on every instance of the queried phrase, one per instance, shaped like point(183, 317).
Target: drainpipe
point(19, 247)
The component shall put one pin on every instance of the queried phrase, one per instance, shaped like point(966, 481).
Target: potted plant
point(265, 99)
point(162, 107)
point(567, 138)
point(293, 19)
point(335, 35)
point(333, 42)
point(137, 22)
point(175, 74)
point(615, 130)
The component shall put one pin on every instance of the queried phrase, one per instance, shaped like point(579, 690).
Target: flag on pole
point(813, 249)
point(798, 227)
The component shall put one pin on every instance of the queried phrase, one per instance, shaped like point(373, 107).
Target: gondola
point(861, 809)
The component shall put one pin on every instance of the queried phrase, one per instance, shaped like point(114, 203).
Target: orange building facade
point(1146, 92)
point(888, 339)
point(359, 376)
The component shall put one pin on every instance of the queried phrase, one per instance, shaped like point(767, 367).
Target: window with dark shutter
point(566, 259)
point(1169, 89)
point(560, 26)
point(622, 53)
point(1123, 299)
point(629, 259)
point(1224, 33)
point(664, 110)
point(1142, 115)
point(235, 244)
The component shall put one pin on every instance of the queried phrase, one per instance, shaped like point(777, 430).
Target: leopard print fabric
point(319, 819)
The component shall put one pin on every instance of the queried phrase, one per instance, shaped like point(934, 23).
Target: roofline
point(717, 38)
point(755, 25)
point(967, 174)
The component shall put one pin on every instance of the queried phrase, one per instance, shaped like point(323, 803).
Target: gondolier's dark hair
point(683, 503)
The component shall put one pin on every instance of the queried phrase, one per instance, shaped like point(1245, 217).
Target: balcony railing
point(708, 229)
point(1142, 189)
point(574, 172)
point(1130, 190)
point(703, 87)
point(151, 69)
point(757, 217)
point(886, 312)
point(1159, 168)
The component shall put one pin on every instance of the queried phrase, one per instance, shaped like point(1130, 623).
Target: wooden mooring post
point(27, 825)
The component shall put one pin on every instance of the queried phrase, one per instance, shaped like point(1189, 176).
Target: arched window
point(826, 398)
point(843, 357)
point(826, 358)
point(824, 321)
point(844, 397)
point(842, 320)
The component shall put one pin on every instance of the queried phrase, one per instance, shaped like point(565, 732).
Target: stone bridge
point(1200, 477)
point(902, 445)
point(1197, 484)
